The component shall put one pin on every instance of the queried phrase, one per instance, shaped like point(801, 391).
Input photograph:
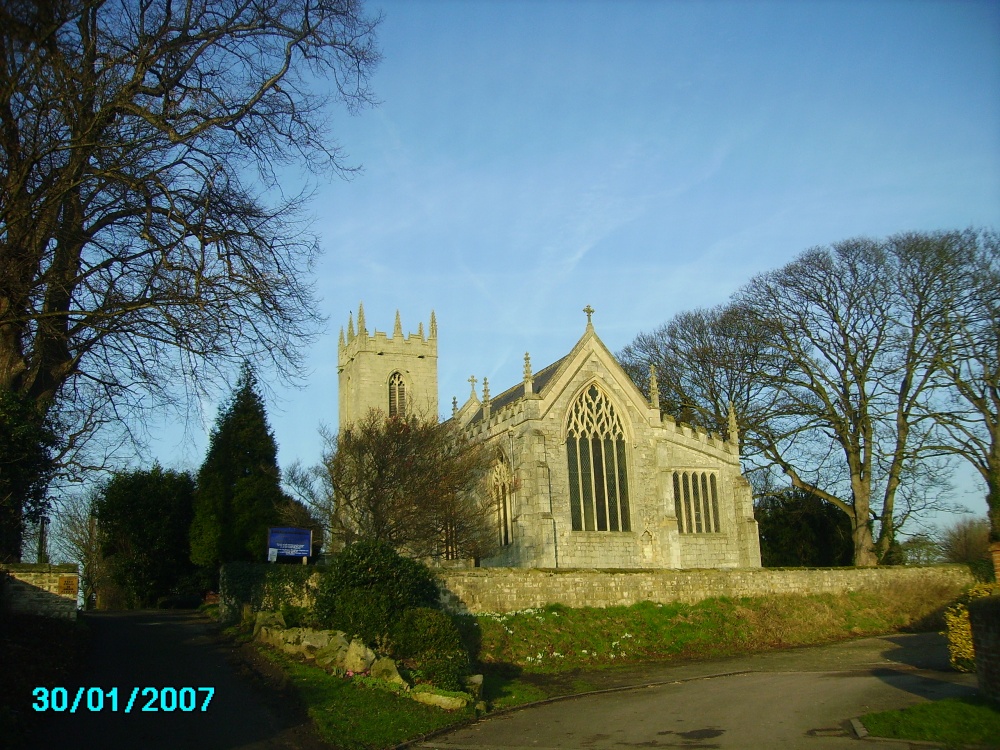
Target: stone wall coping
point(486, 572)
point(39, 567)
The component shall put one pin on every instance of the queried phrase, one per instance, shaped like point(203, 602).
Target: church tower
point(394, 373)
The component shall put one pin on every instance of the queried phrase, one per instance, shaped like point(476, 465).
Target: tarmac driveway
point(801, 698)
point(172, 649)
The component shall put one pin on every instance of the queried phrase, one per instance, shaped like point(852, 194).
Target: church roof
point(539, 382)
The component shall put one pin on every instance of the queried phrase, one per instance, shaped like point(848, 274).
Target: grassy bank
point(557, 638)
point(536, 654)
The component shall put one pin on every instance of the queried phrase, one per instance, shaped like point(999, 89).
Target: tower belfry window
point(397, 395)
point(595, 452)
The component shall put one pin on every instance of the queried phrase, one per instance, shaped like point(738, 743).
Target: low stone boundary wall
point(984, 617)
point(511, 589)
point(49, 590)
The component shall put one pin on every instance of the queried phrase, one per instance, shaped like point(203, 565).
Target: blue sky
point(530, 158)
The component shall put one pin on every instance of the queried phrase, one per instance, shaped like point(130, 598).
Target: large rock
point(314, 640)
point(271, 636)
point(359, 657)
point(291, 638)
point(451, 703)
point(268, 620)
point(332, 655)
point(385, 669)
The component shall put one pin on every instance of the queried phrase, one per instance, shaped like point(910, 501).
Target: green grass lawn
point(955, 722)
point(352, 715)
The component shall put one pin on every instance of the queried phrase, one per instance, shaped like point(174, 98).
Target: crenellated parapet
point(368, 360)
point(414, 344)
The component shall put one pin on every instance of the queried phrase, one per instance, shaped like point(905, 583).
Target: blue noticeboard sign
point(287, 541)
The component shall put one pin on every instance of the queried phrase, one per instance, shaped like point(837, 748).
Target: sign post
point(287, 541)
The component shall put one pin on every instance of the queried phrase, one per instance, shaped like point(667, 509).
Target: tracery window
point(397, 395)
point(595, 452)
point(502, 489)
point(696, 502)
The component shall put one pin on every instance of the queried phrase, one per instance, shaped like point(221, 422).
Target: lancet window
point(397, 395)
point(696, 502)
point(595, 451)
point(502, 489)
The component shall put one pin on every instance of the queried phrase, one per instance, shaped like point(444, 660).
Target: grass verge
point(560, 639)
point(356, 715)
point(537, 654)
point(956, 722)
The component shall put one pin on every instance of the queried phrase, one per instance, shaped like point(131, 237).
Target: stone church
point(588, 472)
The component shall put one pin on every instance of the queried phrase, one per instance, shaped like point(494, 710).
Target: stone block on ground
point(332, 656)
point(268, 620)
point(359, 657)
point(447, 702)
point(291, 639)
point(270, 636)
point(385, 669)
point(314, 640)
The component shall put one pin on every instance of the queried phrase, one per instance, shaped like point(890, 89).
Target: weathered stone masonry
point(510, 589)
point(49, 590)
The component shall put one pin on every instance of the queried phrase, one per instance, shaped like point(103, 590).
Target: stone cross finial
point(486, 398)
point(654, 388)
point(590, 311)
point(472, 381)
point(454, 405)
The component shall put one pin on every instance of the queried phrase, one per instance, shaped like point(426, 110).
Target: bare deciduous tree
point(139, 245)
point(966, 541)
point(831, 365)
point(418, 486)
point(77, 539)
point(967, 345)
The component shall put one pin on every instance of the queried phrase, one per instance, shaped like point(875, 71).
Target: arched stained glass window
point(397, 395)
point(595, 452)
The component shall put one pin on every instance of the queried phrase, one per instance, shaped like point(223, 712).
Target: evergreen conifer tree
point(239, 493)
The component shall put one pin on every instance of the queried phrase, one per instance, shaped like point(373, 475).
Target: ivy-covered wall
point(264, 587)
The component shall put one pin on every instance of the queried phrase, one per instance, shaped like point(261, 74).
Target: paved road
point(803, 698)
point(171, 649)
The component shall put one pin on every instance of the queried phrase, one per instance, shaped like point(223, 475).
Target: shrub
point(297, 617)
point(429, 642)
point(368, 587)
point(959, 631)
point(262, 586)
